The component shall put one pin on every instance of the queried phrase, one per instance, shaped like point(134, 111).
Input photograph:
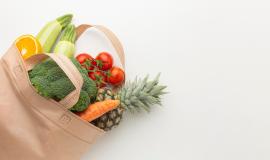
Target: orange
point(28, 45)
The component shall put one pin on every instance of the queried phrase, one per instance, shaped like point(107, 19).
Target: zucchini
point(49, 33)
point(66, 45)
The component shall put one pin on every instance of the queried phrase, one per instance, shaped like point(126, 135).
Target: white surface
point(214, 55)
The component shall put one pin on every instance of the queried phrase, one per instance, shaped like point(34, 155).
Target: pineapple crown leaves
point(141, 94)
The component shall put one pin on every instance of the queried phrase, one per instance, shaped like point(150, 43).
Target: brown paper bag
point(33, 127)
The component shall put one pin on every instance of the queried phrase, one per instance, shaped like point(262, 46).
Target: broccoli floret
point(83, 102)
point(42, 85)
point(87, 86)
point(61, 88)
point(55, 73)
point(42, 68)
point(51, 82)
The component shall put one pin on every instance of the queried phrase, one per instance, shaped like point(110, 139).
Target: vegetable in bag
point(51, 82)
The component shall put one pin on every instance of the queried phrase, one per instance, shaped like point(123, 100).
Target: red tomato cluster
point(101, 69)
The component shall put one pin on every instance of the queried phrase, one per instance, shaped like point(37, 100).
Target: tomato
point(86, 61)
point(81, 58)
point(116, 76)
point(99, 77)
point(104, 61)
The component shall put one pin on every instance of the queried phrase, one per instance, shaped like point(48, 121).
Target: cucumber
point(66, 45)
point(49, 33)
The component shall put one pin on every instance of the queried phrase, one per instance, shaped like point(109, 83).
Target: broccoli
point(51, 82)
point(83, 99)
point(42, 68)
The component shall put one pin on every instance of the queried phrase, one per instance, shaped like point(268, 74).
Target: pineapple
point(134, 96)
point(111, 118)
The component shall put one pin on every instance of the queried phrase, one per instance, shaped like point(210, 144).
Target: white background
point(214, 55)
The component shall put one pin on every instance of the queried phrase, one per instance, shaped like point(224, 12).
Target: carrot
point(97, 109)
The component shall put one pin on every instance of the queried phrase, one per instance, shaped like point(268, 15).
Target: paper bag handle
point(109, 34)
